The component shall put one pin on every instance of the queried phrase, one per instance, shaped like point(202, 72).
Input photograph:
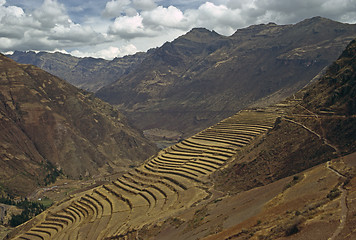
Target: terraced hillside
point(173, 180)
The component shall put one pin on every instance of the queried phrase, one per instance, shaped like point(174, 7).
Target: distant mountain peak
point(200, 35)
point(315, 20)
point(201, 30)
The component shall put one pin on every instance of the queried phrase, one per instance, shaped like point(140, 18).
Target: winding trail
point(323, 134)
point(344, 208)
point(343, 202)
point(325, 141)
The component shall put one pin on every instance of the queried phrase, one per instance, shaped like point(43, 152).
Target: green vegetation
point(53, 174)
point(295, 180)
point(293, 229)
point(29, 209)
point(334, 193)
point(7, 200)
point(46, 202)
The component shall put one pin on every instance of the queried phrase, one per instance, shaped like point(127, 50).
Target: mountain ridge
point(225, 74)
point(86, 73)
point(203, 77)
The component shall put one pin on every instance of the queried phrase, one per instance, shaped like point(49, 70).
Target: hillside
point(86, 73)
point(48, 126)
point(263, 173)
point(323, 111)
point(202, 77)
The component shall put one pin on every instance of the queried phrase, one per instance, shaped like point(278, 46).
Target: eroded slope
point(48, 125)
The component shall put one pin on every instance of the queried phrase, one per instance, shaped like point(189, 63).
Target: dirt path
point(325, 141)
point(323, 133)
point(343, 204)
point(322, 136)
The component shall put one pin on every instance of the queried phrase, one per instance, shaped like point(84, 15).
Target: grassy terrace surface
point(173, 180)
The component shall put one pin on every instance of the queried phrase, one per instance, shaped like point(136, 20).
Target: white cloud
point(75, 33)
point(108, 53)
point(164, 17)
point(128, 27)
point(102, 26)
point(50, 14)
point(216, 17)
point(45, 28)
point(115, 8)
point(6, 43)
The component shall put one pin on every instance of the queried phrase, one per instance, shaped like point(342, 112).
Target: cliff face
point(48, 125)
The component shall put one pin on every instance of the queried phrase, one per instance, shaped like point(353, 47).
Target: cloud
point(290, 11)
point(127, 27)
point(45, 28)
point(107, 53)
point(75, 33)
point(50, 14)
point(106, 28)
point(115, 8)
point(155, 22)
point(216, 17)
point(145, 5)
point(170, 17)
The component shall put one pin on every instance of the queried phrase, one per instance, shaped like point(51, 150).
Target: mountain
point(50, 127)
point(184, 86)
point(324, 112)
point(202, 77)
point(276, 172)
point(86, 73)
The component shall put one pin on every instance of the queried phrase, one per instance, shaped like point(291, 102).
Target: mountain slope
point(86, 73)
point(278, 159)
point(202, 77)
point(325, 111)
point(335, 92)
point(48, 125)
point(298, 181)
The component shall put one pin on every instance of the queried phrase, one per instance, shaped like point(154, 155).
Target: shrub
point(293, 229)
point(334, 193)
point(30, 209)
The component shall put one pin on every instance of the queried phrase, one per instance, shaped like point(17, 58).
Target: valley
point(181, 198)
point(202, 77)
point(282, 170)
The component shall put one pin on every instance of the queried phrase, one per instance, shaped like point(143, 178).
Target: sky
point(115, 28)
